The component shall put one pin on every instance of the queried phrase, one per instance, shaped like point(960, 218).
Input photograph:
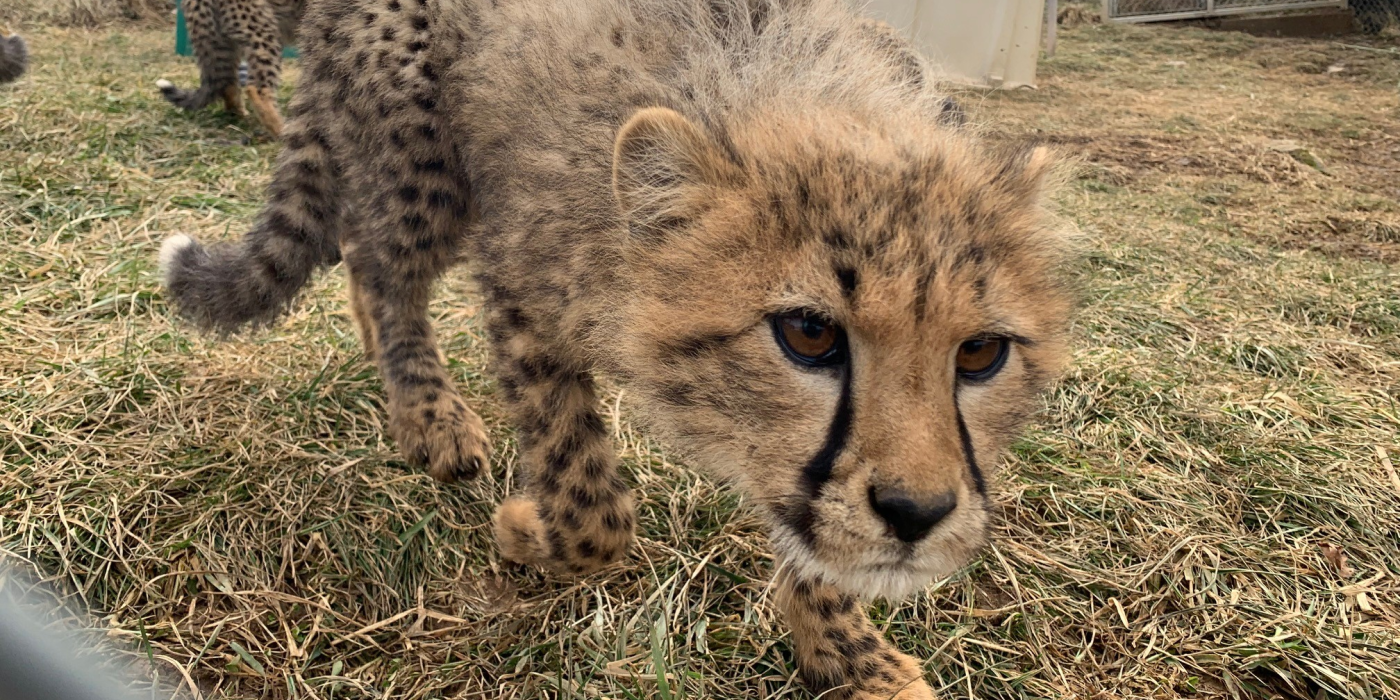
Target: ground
point(1208, 506)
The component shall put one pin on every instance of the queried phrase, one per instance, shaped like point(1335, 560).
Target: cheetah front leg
point(431, 422)
point(575, 514)
point(839, 653)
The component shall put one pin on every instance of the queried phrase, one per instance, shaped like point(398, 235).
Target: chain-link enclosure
point(1372, 16)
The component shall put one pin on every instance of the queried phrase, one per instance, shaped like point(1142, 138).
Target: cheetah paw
point(882, 674)
point(586, 542)
point(444, 435)
point(520, 534)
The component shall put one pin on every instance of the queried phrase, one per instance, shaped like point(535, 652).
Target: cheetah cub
point(224, 31)
point(755, 214)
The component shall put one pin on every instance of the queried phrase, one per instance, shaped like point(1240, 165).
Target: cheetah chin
point(893, 579)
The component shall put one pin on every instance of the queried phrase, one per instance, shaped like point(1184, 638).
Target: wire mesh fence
point(1372, 16)
point(1153, 10)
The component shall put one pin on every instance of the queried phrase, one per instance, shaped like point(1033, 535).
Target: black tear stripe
point(977, 479)
point(799, 516)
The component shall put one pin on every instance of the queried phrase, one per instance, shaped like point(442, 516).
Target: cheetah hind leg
point(233, 100)
point(264, 106)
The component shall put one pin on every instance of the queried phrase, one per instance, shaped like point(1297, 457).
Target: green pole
point(182, 35)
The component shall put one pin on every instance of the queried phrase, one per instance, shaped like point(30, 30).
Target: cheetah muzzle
point(756, 215)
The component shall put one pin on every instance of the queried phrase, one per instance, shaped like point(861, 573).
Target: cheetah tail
point(14, 57)
point(226, 286)
point(187, 99)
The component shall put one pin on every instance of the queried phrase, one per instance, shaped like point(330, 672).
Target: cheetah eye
point(809, 339)
point(980, 359)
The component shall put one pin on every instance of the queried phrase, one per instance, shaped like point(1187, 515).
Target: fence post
point(1052, 21)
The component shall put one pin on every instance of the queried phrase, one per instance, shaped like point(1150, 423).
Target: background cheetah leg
point(217, 57)
point(839, 653)
point(363, 322)
point(258, 33)
point(264, 103)
point(576, 514)
point(233, 100)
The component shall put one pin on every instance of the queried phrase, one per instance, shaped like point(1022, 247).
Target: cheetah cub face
point(849, 323)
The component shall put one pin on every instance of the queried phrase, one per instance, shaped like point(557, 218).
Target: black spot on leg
point(582, 497)
point(440, 199)
point(432, 165)
point(559, 459)
point(586, 548)
point(540, 368)
point(595, 468)
point(415, 223)
point(557, 545)
point(548, 482)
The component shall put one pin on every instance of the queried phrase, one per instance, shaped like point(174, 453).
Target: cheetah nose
point(911, 517)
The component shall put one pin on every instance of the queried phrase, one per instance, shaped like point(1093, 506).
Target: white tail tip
point(169, 250)
point(164, 84)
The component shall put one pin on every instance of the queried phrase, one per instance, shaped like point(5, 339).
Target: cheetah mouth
point(886, 570)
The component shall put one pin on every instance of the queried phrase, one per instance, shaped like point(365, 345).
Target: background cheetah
point(14, 56)
point(754, 214)
point(223, 32)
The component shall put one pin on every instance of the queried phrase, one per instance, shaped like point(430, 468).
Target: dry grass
point(80, 13)
point(234, 511)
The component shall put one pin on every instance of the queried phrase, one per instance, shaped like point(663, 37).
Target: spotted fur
point(224, 31)
point(641, 186)
point(14, 56)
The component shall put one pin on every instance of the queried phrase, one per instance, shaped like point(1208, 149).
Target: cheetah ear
point(1025, 172)
point(666, 171)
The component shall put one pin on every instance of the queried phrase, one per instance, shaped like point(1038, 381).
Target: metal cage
point(1162, 10)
